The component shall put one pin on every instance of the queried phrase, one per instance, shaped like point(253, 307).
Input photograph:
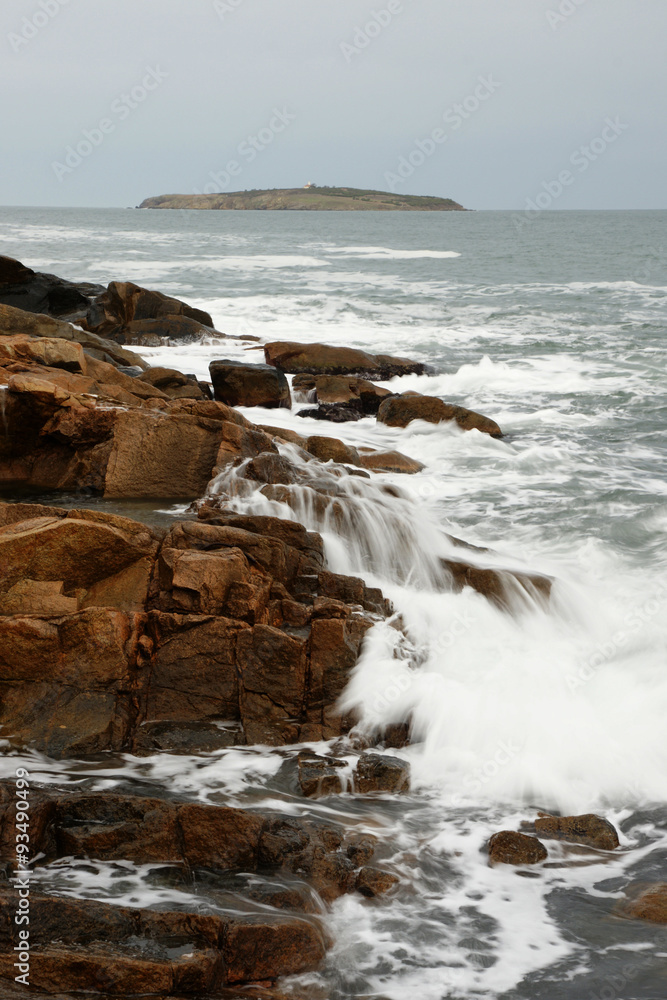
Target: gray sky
point(184, 87)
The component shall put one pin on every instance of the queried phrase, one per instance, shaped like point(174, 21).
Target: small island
point(309, 198)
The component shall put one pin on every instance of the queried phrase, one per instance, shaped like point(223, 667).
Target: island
point(309, 198)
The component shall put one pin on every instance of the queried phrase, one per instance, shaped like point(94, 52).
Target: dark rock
point(591, 830)
point(335, 412)
point(238, 384)
point(381, 773)
point(399, 411)
point(510, 848)
point(23, 288)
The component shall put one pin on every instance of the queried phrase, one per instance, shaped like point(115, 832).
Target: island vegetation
point(309, 198)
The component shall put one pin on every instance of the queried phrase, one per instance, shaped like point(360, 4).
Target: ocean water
point(556, 328)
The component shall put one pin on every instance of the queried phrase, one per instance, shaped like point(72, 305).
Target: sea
point(556, 327)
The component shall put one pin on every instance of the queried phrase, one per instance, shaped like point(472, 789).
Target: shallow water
point(558, 332)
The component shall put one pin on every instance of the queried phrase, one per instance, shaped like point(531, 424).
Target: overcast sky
point(106, 102)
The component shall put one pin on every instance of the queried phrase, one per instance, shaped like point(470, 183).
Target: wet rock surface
point(323, 359)
point(110, 626)
point(590, 830)
point(381, 773)
point(399, 411)
point(511, 848)
point(238, 384)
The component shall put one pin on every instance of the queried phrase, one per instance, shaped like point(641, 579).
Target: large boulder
point(35, 292)
point(112, 630)
point(94, 560)
point(173, 383)
point(238, 384)
point(399, 411)
point(172, 449)
point(323, 359)
point(329, 390)
point(124, 303)
point(591, 830)
point(87, 945)
point(510, 848)
point(18, 321)
point(52, 352)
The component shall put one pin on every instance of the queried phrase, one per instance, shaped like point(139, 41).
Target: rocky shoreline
point(225, 629)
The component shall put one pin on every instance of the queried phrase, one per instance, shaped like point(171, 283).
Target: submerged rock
point(238, 384)
point(646, 902)
point(323, 359)
point(399, 411)
point(510, 848)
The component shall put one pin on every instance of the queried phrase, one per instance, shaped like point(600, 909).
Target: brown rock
point(591, 830)
point(60, 442)
point(319, 776)
point(17, 321)
point(64, 682)
point(399, 411)
point(329, 389)
point(373, 882)
point(238, 384)
point(390, 461)
point(510, 848)
point(382, 773)
point(284, 434)
point(322, 359)
point(502, 587)
point(172, 383)
point(646, 902)
point(75, 550)
point(328, 449)
point(49, 351)
point(164, 330)
point(272, 677)
point(124, 303)
point(257, 949)
point(218, 837)
point(193, 673)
